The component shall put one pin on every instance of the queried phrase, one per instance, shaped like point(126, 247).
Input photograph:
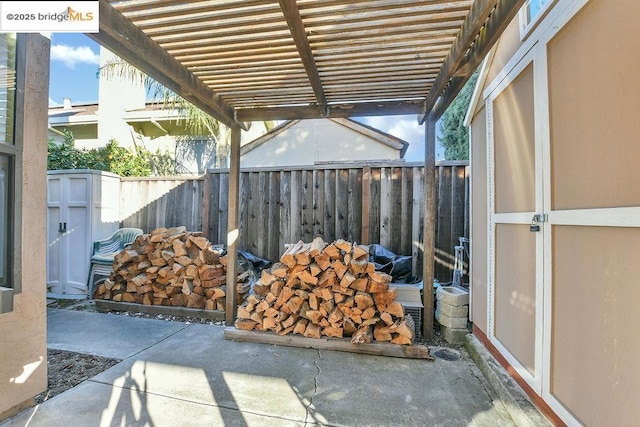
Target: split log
point(331, 290)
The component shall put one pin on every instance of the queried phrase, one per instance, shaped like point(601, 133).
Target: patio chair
point(104, 252)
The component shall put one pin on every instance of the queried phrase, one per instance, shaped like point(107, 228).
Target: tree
point(454, 134)
point(195, 121)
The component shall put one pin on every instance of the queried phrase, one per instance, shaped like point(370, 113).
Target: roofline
point(369, 131)
point(477, 90)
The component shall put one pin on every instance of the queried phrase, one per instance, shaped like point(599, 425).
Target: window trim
point(527, 27)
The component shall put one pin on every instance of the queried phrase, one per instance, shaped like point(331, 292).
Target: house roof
point(249, 60)
point(368, 131)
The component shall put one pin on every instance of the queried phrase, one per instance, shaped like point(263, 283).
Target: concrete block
point(453, 295)
point(451, 322)
point(453, 310)
point(454, 335)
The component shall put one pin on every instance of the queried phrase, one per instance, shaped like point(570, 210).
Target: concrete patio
point(180, 374)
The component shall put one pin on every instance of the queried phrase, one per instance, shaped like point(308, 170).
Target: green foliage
point(110, 158)
point(454, 134)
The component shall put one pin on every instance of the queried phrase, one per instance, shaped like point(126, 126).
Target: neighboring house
point(122, 113)
point(554, 133)
point(313, 141)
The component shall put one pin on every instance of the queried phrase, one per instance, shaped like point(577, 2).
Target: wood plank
point(318, 203)
point(406, 210)
point(330, 205)
point(250, 243)
point(285, 234)
point(457, 207)
point(306, 208)
point(366, 204)
point(223, 213)
point(375, 209)
point(395, 210)
point(107, 305)
point(296, 201)
point(444, 245)
point(244, 213)
point(334, 344)
point(417, 221)
point(342, 204)
point(386, 197)
point(355, 205)
point(262, 238)
point(273, 232)
point(213, 218)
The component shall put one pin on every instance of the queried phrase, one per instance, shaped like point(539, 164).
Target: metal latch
point(537, 218)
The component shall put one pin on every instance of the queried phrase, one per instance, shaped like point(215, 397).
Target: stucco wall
point(310, 141)
point(23, 352)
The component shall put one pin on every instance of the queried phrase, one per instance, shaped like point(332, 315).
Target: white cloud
point(73, 55)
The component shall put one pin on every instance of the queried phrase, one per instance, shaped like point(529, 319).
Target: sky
point(75, 61)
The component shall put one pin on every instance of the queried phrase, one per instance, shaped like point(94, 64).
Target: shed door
point(515, 196)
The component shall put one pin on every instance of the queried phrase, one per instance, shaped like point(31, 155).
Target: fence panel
point(368, 203)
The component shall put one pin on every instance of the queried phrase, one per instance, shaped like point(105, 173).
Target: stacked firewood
point(171, 267)
point(319, 289)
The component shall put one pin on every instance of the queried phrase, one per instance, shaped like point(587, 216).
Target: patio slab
point(179, 374)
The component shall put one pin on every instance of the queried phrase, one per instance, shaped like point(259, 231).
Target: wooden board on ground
point(336, 344)
point(106, 305)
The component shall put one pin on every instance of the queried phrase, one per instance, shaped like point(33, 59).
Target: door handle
point(62, 227)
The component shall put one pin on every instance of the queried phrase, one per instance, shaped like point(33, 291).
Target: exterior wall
point(23, 353)
point(585, 60)
point(478, 273)
point(119, 95)
point(316, 140)
point(594, 132)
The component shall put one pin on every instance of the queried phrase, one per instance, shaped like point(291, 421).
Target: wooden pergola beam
point(334, 111)
point(484, 24)
point(123, 38)
point(294, 21)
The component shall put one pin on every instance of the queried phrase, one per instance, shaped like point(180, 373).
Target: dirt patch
point(67, 369)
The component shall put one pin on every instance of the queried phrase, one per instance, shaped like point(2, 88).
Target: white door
point(515, 239)
point(68, 231)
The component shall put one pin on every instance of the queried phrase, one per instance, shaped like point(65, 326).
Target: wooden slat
point(374, 211)
point(386, 192)
point(342, 204)
point(335, 344)
point(366, 204)
point(318, 203)
point(417, 221)
point(124, 39)
point(443, 254)
point(355, 205)
point(286, 236)
point(406, 210)
point(306, 212)
point(273, 227)
point(330, 205)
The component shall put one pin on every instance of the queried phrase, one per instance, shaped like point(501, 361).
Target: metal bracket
point(541, 218)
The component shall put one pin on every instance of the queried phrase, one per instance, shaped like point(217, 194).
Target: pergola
point(256, 60)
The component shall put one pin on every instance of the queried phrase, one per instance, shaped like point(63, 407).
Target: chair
point(104, 252)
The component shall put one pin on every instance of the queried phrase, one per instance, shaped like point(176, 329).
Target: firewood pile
point(171, 267)
point(319, 289)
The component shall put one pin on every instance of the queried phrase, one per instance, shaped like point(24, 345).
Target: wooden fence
point(367, 203)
